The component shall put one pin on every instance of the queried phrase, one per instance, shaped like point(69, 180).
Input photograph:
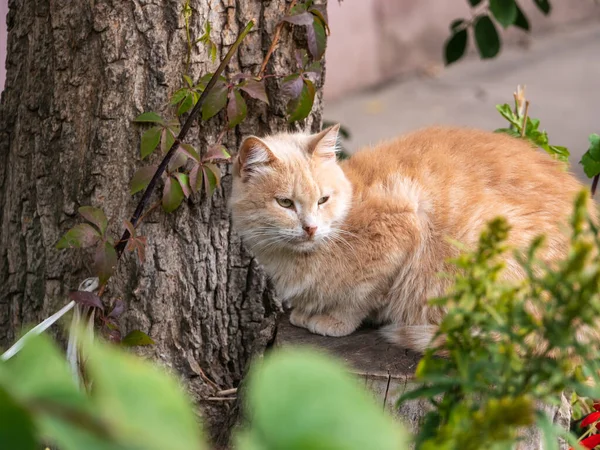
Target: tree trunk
point(77, 74)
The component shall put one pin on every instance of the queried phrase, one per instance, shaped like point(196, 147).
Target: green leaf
point(508, 131)
point(236, 108)
point(561, 153)
point(213, 51)
point(505, 11)
point(544, 6)
point(186, 104)
point(316, 38)
point(591, 166)
point(149, 117)
point(136, 338)
point(486, 37)
point(105, 261)
point(211, 177)
point(95, 216)
point(189, 151)
point(188, 81)
point(141, 178)
point(184, 182)
point(172, 195)
point(299, 108)
point(81, 235)
point(456, 24)
point(178, 96)
point(521, 21)
point(16, 425)
point(304, 400)
point(218, 152)
point(456, 46)
point(509, 115)
point(550, 437)
point(594, 147)
point(150, 140)
point(142, 405)
point(215, 100)
point(166, 140)
point(474, 2)
point(177, 161)
point(255, 89)
point(40, 373)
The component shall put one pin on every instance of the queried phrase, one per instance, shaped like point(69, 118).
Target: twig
point(594, 184)
point(221, 399)
point(120, 247)
point(149, 210)
point(276, 37)
point(227, 392)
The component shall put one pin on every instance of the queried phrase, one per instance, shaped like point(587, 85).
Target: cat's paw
point(298, 318)
point(329, 326)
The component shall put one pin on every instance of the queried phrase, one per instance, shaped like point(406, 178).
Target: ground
point(561, 71)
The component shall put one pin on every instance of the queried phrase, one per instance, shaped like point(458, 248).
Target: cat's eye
point(285, 202)
point(323, 199)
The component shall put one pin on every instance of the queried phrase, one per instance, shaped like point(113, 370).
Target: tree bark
point(77, 74)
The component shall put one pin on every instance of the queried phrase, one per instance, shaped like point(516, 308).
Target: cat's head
point(289, 193)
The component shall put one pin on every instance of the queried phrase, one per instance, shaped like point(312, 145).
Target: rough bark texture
point(77, 74)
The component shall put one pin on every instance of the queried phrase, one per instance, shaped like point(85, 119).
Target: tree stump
point(388, 372)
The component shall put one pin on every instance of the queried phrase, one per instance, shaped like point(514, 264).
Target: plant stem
point(276, 37)
point(182, 134)
point(595, 184)
point(524, 127)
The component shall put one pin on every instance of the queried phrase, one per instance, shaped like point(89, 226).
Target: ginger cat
point(366, 238)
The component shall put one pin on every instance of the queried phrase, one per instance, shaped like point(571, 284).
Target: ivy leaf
point(129, 227)
point(544, 6)
point(215, 100)
point(236, 108)
point(186, 104)
point(150, 140)
point(456, 46)
point(317, 39)
point(195, 181)
point(521, 20)
point(255, 89)
point(320, 11)
point(149, 117)
point(105, 261)
point(81, 235)
point(166, 140)
point(591, 159)
point(189, 151)
point(87, 299)
point(188, 80)
point(178, 160)
point(292, 86)
point(212, 177)
point(95, 216)
point(217, 151)
point(303, 18)
point(141, 178)
point(172, 195)
point(178, 96)
point(299, 108)
point(505, 11)
point(184, 182)
point(486, 36)
point(136, 338)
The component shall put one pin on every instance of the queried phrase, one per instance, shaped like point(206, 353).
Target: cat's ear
point(324, 144)
point(253, 155)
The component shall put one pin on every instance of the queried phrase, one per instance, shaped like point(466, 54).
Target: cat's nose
point(310, 230)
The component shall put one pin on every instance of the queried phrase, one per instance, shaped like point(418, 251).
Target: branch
point(276, 37)
point(120, 247)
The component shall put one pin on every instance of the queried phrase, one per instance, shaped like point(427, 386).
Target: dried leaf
point(150, 140)
point(215, 100)
point(129, 226)
point(87, 299)
point(141, 179)
point(172, 195)
point(136, 338)
point(105, 261)
point(81, 235)
point(236, 108)
point(149, 117)
point(255, 89)
point(95, 216)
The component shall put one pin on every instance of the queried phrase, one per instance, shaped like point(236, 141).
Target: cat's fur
point(381, 237)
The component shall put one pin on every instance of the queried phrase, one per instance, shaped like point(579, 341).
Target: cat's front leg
point(332, 324)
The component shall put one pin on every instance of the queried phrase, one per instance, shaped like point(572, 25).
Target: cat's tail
point(413, 337)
